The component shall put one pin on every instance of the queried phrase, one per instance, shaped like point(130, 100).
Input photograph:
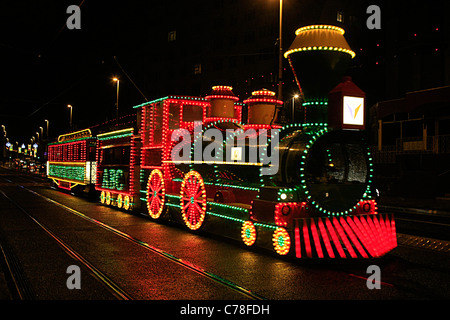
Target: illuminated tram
point(71, 161)
point(303, 190)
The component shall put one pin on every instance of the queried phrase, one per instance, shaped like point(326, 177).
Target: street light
point(70, 107)
point(293, 106)
point(47, 127)
point(115, 79)
point(280, 55)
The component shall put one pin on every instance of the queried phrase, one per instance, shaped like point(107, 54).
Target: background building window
point(171, 36)
point(198, 68)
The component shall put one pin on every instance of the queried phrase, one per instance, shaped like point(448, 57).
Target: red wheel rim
point(155, 194)
point(193, 200)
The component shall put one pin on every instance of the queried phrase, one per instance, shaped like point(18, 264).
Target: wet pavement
point(417, 269)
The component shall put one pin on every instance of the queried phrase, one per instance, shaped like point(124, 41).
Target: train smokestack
point(222, 101)
point(319, 56)
point(262, 107)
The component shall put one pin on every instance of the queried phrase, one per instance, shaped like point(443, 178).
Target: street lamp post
point(293, 106)
point(47, 128)
point(280, 55)
point(117, 99)
point(70, 107)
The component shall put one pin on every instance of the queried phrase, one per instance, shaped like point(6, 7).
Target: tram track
point(355, 270)
point(117, 291)
point(23, 289)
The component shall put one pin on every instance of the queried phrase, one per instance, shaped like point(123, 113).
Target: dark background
point(45, 66)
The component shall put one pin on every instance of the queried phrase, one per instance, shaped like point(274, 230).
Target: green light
point(67, 172)
point(113, 179)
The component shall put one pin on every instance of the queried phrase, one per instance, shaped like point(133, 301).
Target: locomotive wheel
point(119, 201)
point(156, 194)
point(193, 200)
point(127, 203)
point(103, 197)
point(248, 233)
point(108, 198)
point(281, 241)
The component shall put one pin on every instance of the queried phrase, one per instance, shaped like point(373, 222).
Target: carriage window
point(116, 155)
point(174, 116)
point(192, 113)
point(157, 116)
point(157, 123)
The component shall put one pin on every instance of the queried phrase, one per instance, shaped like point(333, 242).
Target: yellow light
point(263, 92)
point(350, 52)
point(115, 79)
point(117, 132)
point(154, 190)
point(248, 233)
point(222, 88)
point(193, 203)
point(281, 241)
point(315, 27)
point(67, 163)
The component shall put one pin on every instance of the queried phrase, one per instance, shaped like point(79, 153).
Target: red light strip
point(298, 249)
point(353, 238)
point(335, 238)
point(361, 236)
point(344, 238)
point(306, 238)
point(325, 238)
point(381, 237)
point(316, 239)
point(390, 225)
point(367, 235)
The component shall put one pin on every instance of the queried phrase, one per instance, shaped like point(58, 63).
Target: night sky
point(45, 66)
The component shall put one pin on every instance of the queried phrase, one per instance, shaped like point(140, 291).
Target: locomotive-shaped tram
point(303, 189)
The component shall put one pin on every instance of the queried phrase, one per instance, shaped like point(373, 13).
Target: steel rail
point(227, 283)
point(100, 276)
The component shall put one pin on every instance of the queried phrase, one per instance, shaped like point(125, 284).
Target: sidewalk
point(441, 205)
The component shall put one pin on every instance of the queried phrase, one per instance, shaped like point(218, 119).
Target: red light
point(316, 239)
point(326, 240)
point(335, 238)
point(362, 236)
point(344, 238)
point(306, 237)
point(298, 249)
point(353, 238)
